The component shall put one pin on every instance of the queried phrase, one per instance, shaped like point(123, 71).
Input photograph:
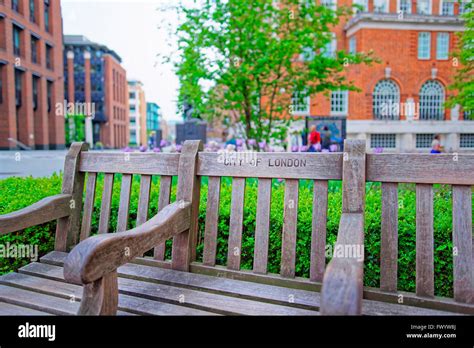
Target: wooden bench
point(106, 274)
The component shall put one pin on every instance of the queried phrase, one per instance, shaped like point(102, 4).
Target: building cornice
point(394, 21)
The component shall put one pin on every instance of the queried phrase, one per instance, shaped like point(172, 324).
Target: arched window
point(431, 101)
point(386, 100)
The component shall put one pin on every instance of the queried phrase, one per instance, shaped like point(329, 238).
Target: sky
point(135, 30)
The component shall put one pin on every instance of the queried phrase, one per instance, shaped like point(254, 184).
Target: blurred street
point(39, 163)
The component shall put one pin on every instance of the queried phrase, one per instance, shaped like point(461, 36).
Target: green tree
point(464, 79)
point(249, 57)
point(75, 128)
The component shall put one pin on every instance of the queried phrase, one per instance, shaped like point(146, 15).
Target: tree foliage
point(246, 58)
point(464, 79)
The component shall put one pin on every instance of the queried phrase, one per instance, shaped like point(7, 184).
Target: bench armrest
point(342, 288)
point(48, 209)
point(94, 262)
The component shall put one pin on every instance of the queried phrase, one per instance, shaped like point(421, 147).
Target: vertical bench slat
point(262, 225)
point(106, 202)
point(288, 252)
point(144, 199)
point(163, 201)
point(212, 217)
point(389, 239)
point(235, 225)
point(124, 205)
point(462, 241)
point(424, 240)
point(68, 228)
point(88, 206)
point(184, 247)
point(318, 234)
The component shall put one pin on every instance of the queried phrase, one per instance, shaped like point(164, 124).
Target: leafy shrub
point(18, 193)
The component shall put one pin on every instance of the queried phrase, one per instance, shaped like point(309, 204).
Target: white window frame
point(444, 48)
point(423, 49)
point(307, 54)
point(469, 141)
point(385, 92)
point(345, 103)
point(296, 108)
point(363, 3)
point(353, 45)
point(387, 6)
point(441, 3)
point(332, 45)
point(423, 140)
point(430, 7)
point(399, 4)
point(432, 105)
point(332, 4)
point(389, 137)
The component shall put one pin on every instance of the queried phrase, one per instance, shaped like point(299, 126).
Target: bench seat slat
point(124, 205)
point(389, 238)
point(212, 217)
point(318, 233)
point(424, 241)
point(163, 201)
point(462, 241)
point(106, 203)
point(288, 249)
point(236, 223)
point(262, 225)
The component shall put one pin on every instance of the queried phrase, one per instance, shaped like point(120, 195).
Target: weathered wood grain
point(48, 209)
point(130, 163)
point(7, 309)
point(421, 168)
point(88, 206)
point(212, 217)
point(183, 248)
point(389, 239)
point(68, 228)
point(353, 177)
point(282, 165)
point(215, 279)
point(262, 225)
point(236, 223)
point(144, 199)
point(290, 216)
point(424, 240)
point(49, 280)
point(124, 204)
point(99, 255)
point(318, 231)
point(462, 244)
point(100, 297)
point(163, 201)
point(342, 289)
point(104, 219)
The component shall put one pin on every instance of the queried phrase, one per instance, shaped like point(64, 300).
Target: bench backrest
point(191, 166)
point(424, 170)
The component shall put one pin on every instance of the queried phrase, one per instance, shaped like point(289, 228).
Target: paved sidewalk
point(39, 163)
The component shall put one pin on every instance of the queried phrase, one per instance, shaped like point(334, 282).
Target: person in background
point(436, 145)
point(314, 138)
point(326, 138)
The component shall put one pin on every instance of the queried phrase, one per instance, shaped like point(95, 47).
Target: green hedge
point(21, 192)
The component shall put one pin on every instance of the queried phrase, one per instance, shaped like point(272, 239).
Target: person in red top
point(313, 138)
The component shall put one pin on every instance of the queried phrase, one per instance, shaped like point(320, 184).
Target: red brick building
point(31, 69)
point(401, 103)
point(94, 76)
